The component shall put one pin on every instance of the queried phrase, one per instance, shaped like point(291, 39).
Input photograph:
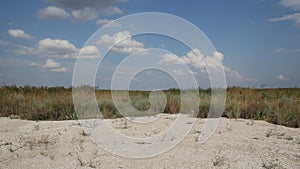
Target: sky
point(256, 42)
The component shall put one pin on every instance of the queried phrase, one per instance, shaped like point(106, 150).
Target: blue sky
point(258, 40)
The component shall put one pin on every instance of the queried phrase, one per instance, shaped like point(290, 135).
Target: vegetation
point(277, 106)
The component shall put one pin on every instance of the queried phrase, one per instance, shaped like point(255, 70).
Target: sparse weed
point(219, 160)
point(85, 133)
point(272, 165)
point(288, 138)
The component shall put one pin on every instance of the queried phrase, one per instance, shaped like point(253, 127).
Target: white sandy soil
point(64, 144)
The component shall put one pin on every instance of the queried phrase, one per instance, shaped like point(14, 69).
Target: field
point(277, 106)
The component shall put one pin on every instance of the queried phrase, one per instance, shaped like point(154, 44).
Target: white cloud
point(53, 66)
point(170, 58)
point(284, 50)
point(214, 61)
point(122, 42)
point(292, 4)
point(192, 72)
point(233, 74)
point(197, 59)
point(34, 64)
point(279, 50)
point(111, 10)
point(179, 72)
point(194, 58)
point(58, 48)
point(282, 77)
point(89, 52)
point(18, 33)
point(85, 14)
point(292, 17)
point(3, 43)
point(64, 49)
point(52, 12)
point(88, 9)
point(23, 50)
point(219, 55)
point(109, 23)
point(50, 63)
point(295, 17)
point(103, 21)
point(89, 13)
point(61, 69)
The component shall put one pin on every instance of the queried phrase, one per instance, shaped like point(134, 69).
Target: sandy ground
point(64, 144)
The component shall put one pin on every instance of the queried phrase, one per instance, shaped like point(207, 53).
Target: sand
point(236, 143)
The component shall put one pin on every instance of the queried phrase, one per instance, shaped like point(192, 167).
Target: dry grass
point(277, 106)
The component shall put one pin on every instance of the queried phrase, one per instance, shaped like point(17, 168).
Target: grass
point(277, 106)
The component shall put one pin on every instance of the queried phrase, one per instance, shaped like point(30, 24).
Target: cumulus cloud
point(103, 21)
point(59, 48)
point(109, 23)
point(89, 52)
point(170, 58)
point(52, 12)
point(196, 59)
point(180, 72)
point(122, 42)
point(85, 14)
point(56, 48)
point(235, 74)
point(282, 77)
point(51, 65)
point(23, 50)
point(18, 33)
point(88, 9)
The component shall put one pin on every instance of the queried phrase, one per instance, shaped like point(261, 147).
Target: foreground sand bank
point(234, 144)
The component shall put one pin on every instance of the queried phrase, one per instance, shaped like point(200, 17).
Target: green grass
point(277, 106)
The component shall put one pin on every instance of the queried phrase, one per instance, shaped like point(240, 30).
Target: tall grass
point(278, 106)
